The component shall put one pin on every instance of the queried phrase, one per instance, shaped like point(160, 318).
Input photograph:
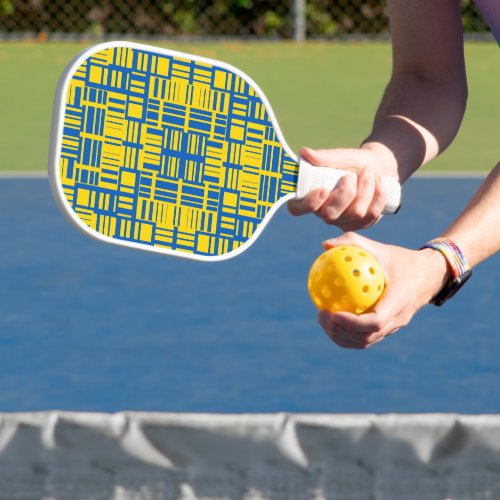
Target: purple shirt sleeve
point(490, 9)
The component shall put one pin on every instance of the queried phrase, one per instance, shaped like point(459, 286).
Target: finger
point(348, 238)
point(362, 340)
point(356, 215)
point(376, 208)
point(373, 325)
point(345, 344)
point(353, 340)
point(339, 199)
point(356, 225)
point(379, 198)
point(342, 340)
point(365, 324)
point(341, 336)
point(364, 195)
point(310, 203)
point(313, 156)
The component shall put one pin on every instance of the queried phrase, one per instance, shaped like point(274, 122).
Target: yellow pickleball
point(346, 278)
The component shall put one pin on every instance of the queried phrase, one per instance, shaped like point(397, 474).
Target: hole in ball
point(356, 273)
point(366, 289)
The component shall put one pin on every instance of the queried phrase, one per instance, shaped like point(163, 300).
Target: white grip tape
point(312, 177)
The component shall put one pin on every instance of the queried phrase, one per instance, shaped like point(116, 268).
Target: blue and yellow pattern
point(169, 152)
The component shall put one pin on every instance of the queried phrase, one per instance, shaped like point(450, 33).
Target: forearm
point(416, 121)
point(477, 230)
point(424, 103)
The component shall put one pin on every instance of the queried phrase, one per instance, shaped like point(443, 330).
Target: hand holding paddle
point(174, 153)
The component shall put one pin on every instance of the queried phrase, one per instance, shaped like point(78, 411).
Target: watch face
point(451, 288)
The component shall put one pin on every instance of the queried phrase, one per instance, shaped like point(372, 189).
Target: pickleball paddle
point(172, 153)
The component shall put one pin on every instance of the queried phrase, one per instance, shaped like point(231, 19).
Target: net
point(159, 456)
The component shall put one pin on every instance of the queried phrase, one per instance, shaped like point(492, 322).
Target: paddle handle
point(313, 177)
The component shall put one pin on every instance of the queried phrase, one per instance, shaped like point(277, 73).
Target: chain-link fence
point(205, 18)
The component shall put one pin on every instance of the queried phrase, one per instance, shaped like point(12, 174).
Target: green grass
point(323, 94)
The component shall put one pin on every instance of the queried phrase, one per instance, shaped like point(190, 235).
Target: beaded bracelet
point(459, 267)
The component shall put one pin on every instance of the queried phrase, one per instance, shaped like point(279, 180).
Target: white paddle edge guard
point(312, 177)
point(56, 141)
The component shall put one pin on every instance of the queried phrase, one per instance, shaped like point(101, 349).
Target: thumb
point(348, 238)
point(354, 159)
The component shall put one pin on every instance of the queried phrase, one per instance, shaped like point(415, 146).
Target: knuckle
point(329, 215)
point(294, 207)
point(348, 190)
point(348, 184)
point(358, 211)
point(365, 343)
point(366, 180)
point(377, 325)
point(373, 213)
point(332, 221)
point(299, 207)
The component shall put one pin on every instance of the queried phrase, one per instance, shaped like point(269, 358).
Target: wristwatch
point(460, 270)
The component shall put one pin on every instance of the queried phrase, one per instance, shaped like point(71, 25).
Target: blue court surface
point(92, 327)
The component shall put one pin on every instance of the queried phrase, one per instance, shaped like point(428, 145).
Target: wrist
point(437, 273)
point(388, 165)
point(457, 265)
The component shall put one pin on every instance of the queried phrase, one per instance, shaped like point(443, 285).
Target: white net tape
point(154, 456)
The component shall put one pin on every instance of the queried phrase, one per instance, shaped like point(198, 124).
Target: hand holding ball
point(346, 278)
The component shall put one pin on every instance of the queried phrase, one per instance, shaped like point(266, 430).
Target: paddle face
point(166, 152)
